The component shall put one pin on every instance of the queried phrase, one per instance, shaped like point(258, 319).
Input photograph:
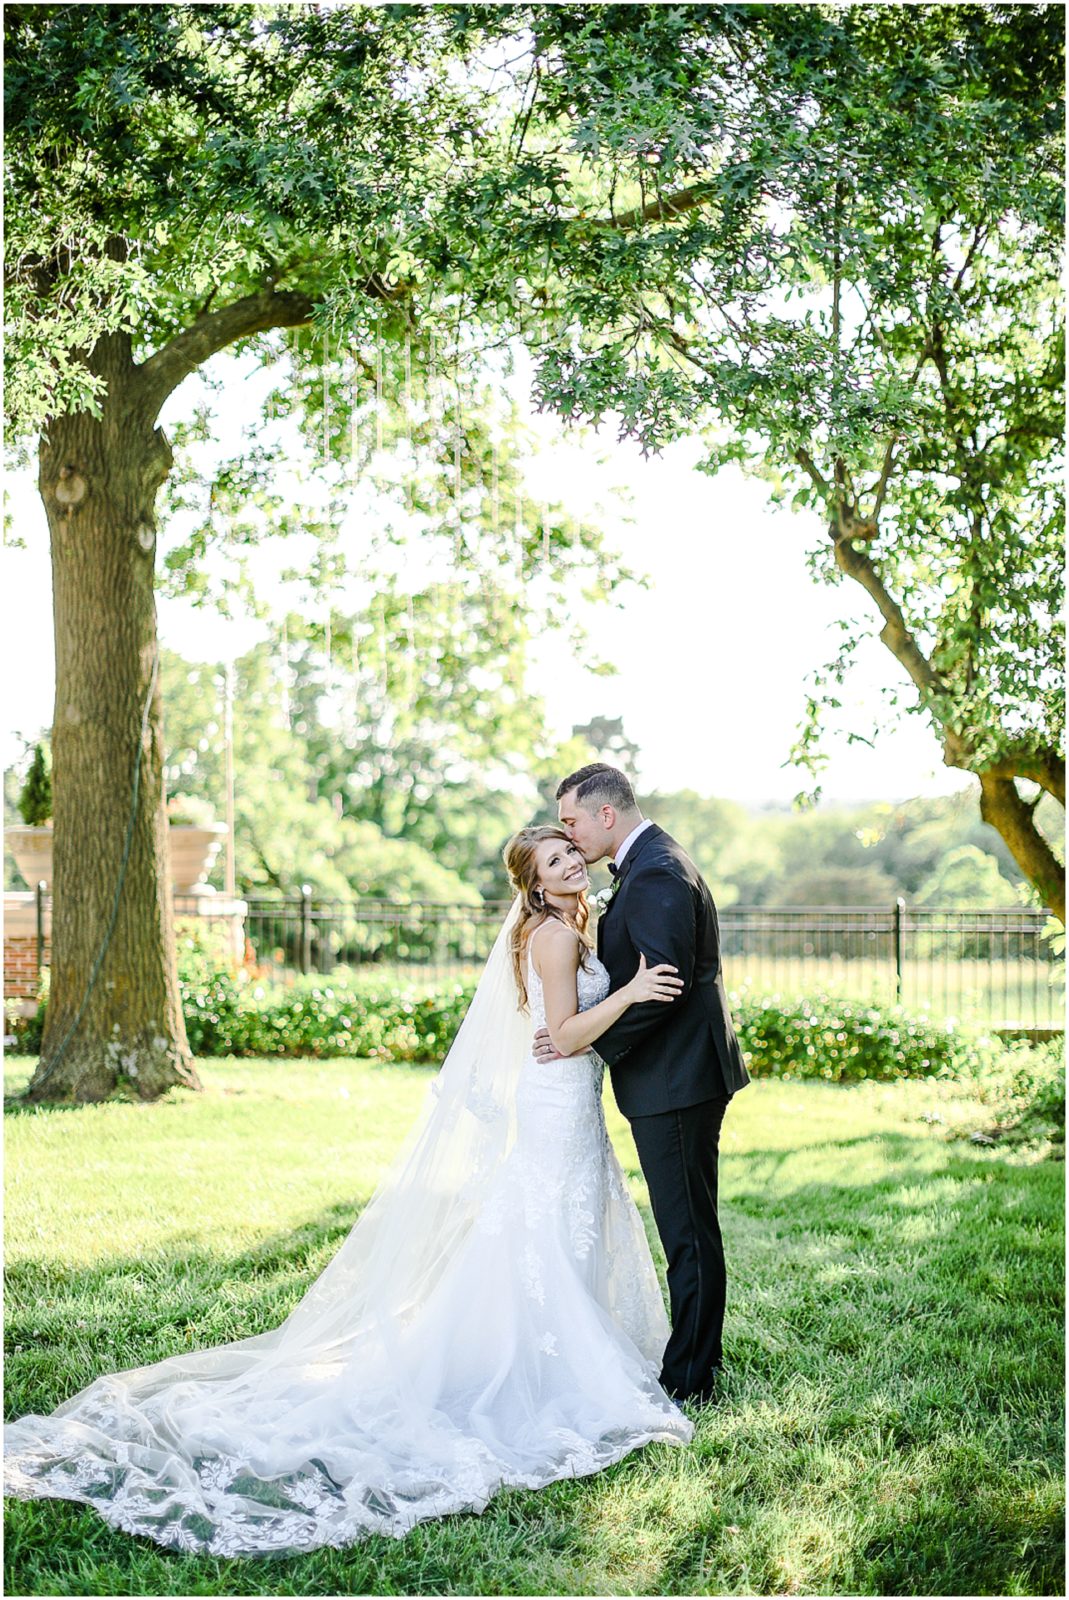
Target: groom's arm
point(661, 925)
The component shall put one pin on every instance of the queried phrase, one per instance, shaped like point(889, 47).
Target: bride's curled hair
point(522, 864)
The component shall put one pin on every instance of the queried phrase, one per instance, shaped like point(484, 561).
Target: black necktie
point(614, 869)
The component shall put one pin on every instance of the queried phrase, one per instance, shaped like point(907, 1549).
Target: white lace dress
point(536, 1358)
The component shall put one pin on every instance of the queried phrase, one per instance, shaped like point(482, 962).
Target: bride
point(493, 1318)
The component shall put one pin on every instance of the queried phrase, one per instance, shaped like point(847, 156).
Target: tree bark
point(120, 1025)
point(1002, 807)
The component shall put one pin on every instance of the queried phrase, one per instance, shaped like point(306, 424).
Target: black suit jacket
point(661, 1056)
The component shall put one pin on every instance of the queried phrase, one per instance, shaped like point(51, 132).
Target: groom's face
point(586, 829)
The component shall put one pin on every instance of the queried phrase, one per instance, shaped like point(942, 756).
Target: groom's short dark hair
point(599, 785)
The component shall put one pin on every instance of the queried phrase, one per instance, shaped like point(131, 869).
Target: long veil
point(140, 1444)
point(423, 1210)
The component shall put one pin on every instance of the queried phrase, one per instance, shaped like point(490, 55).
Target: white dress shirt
point(622, 849)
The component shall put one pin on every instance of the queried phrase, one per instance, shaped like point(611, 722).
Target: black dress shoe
point(709, 1394)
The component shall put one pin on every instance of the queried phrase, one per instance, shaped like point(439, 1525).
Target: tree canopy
point(843, 268)
point(825, 239)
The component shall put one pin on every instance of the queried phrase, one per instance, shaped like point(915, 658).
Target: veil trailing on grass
point(470, 1332)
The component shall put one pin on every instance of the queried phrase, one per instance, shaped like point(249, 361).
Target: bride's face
point(561, 868)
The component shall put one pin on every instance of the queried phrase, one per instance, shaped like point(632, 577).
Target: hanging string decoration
point(326, 397)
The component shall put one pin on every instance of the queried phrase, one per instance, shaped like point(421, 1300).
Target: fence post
point(306, 927)
point(900, 906)
point(40, 899)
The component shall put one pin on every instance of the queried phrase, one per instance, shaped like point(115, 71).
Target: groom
point(674, 1067)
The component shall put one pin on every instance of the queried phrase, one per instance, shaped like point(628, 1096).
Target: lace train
point(532, 1357)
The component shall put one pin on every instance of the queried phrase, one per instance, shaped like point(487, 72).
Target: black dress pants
point(679, 1153)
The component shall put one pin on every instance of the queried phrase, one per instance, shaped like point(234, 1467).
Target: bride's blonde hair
point(522, 864)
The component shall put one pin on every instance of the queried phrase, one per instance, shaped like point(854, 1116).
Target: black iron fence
point(425, 938)
point(1000, 966)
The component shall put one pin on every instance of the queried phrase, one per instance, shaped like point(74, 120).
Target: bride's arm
point(556, 960)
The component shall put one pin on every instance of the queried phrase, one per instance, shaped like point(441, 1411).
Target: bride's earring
point(539, 899)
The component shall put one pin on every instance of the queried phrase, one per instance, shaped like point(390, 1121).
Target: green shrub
point(230, 1012)
point(29, 1031)
point(320, 1018)
point(828, 1038)
point(844, 1041)
point(35, 798)
point(1022, 1092)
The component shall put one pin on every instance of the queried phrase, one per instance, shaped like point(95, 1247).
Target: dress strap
point(530, 951)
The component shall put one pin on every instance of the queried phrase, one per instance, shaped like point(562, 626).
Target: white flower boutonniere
point(603, 896)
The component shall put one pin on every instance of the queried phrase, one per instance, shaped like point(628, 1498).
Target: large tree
point(180, 179)
point(183, 180)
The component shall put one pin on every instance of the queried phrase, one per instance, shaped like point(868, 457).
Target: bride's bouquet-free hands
point(661, 982)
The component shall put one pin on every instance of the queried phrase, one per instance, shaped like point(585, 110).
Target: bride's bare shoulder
point(553, 945)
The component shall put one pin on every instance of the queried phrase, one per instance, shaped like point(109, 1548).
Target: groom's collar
point(634, 845)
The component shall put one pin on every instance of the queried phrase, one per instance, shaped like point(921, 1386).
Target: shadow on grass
point(997, 1546)
point(16, 1105)
point(187, 1296)
point(145, 1310)
point(862, 1352)
point(805, 1421)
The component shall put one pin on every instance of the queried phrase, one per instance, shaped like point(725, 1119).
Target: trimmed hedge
point(822, 1037)
point(839, 1040)
point(315, 1017)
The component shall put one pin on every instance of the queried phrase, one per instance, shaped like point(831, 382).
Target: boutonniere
point(603, 896)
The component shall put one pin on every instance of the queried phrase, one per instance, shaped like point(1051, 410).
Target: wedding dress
point(493, 1319)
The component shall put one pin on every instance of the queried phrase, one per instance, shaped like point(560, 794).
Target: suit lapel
point(629, 860)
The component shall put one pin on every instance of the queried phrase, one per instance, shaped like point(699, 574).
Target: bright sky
point(712, 658)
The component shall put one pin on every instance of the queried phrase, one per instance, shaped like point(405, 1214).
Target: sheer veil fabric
point(493, 1318)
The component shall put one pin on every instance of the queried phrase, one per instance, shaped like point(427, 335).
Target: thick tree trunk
point(1001, 806)
point(120, 1025)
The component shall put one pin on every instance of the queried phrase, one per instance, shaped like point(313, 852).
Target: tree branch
point(1000, 803)
point(804, 459)
point(885, 477)
point(895, 633)
point(1003, 809)
point(1042, 767)
point(978, 238)
point(211, 332)
point(665, 206)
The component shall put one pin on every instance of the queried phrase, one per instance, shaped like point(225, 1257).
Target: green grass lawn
point(893, 1422)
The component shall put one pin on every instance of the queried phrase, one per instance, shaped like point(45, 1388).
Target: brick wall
point(20, 967)
point(20, 938)
point(20, 949)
